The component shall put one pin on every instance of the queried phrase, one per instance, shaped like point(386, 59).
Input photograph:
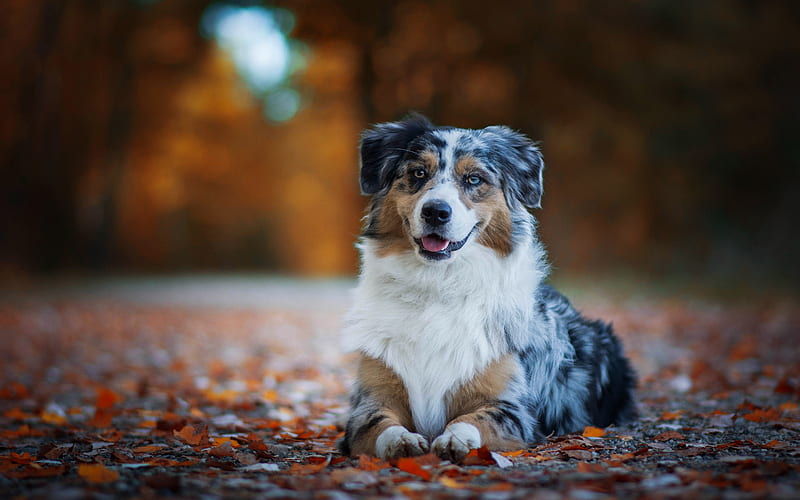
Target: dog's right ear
point(383, 146)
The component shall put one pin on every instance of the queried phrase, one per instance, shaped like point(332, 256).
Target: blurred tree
point(129, 140)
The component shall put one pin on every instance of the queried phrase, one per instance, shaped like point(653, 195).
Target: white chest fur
point(438, 325)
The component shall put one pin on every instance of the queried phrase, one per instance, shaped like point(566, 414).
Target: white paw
point(456, 441)
point(397, 441)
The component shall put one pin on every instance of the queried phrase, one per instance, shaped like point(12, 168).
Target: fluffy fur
point(461, 344)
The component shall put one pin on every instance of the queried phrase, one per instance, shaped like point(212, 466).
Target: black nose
point(436, 212)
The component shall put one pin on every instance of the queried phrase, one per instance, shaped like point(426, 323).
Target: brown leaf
point(759, 415)
point(97, 473)
point(666, 436)
point(193, 436)
point(223, 450)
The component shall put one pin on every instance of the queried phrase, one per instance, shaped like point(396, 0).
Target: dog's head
point(438, 189)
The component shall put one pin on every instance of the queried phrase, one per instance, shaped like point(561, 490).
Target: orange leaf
point(593, 432)
point(192, 436)
point(97, 473)
point(480, 456)
point(106, 398)
point(515, 453)
point(760, 415)
point(671, 415)
point(22, 458)
point(366, 462)
point(102, 417)
point(412, 467)
point(302, 470)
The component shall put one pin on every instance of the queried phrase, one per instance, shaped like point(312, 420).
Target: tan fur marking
point(430, 160)
point(383, 384)
point(467, 164)
point(496, 233)
point(473, 401)
point(393, 237)
point(490, 204)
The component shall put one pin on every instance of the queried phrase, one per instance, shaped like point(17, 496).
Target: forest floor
point(233, 387)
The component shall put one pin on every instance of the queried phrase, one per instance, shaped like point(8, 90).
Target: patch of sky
point(257, 40)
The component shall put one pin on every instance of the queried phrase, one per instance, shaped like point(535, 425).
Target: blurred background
point(163, 136)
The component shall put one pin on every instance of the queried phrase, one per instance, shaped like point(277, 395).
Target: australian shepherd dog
point(460, 343)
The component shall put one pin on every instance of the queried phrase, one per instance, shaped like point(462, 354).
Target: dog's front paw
point(397, 441)
point(456, 441)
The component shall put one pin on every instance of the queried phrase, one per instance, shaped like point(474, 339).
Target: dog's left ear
point(382, 148)
point(522, 160)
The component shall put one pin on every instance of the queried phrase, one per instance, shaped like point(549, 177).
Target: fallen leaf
point(479, 456)
point(97, 473)
point(593, 432)
point(303, 470)
point(106, 398)
point(671, 415)
point(759, 415)
point(410, 465)
point(102, 418)
point(666, 436)
point(223, 450)
point(366, 462)
point(192, 436)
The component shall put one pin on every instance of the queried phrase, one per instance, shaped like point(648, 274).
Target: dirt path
point(232, 387)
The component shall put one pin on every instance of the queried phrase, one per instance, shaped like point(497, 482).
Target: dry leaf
point(192, 436)
point(666, 436)
point(412, 467)
point(593, 432)
point(97, 473)
point(366, 462)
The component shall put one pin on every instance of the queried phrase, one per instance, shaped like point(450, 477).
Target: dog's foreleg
point(488, 411)
point(498, 427)
point(381, 416)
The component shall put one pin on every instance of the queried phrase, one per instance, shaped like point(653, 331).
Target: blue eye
point(473, 180)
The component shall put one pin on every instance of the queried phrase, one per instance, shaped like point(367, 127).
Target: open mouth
point(434, 247)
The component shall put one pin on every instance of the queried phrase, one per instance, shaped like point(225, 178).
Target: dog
point(460, 343)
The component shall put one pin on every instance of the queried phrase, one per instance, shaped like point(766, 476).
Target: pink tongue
point(434, 243)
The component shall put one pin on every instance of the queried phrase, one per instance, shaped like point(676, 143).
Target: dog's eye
point(473, 180)
point(419, 173)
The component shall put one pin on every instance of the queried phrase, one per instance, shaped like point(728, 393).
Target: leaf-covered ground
point(234, 388)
